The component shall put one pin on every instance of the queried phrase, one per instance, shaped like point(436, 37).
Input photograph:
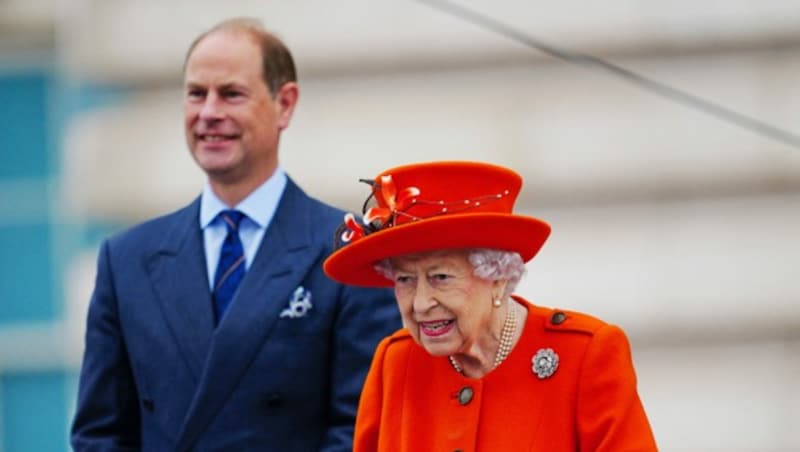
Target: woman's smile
point(436, 328)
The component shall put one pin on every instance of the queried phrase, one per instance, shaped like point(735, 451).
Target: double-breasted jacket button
point(148, 404)
point(558, 318)
point(465, 395)
point(274, 400)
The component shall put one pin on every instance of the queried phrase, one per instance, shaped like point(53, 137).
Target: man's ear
point(285, 101)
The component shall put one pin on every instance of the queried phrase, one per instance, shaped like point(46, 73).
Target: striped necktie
point(230, 268)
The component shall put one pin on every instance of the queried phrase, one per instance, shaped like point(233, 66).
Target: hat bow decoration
point(378, 217)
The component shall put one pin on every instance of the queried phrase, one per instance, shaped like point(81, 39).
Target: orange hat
point(434, 206)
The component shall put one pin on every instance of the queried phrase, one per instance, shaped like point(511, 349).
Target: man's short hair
point(277, 64)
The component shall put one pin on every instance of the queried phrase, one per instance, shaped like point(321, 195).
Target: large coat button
point(465, 395)
point(558, 318)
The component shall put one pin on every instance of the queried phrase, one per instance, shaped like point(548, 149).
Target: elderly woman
point(476, 368)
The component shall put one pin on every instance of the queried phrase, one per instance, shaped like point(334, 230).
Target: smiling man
point(214, 328)
point(233, 118)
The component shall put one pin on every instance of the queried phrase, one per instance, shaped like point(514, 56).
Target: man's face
point(232, 123)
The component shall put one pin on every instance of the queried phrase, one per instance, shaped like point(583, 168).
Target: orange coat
point(410, 401)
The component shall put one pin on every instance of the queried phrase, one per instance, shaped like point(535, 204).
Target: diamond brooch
point(545, 363)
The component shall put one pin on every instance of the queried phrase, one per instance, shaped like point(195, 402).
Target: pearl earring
point(497, 302)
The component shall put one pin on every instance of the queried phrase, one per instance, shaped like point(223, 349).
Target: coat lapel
point(178, 273)
point(282, 259)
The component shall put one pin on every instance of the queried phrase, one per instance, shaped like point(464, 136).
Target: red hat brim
point(353, 263)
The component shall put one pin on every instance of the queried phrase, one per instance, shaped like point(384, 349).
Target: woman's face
point(446, 308)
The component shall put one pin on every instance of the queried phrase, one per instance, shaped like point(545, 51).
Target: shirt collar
point(259, 206)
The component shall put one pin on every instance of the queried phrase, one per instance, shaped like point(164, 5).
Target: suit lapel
point(180, 280)
point(282, 259)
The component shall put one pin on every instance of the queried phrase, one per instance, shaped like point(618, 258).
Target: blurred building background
point(681, 228)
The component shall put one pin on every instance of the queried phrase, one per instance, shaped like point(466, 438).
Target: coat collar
point(178, 273)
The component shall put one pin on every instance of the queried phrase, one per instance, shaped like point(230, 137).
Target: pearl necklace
point(506, 339)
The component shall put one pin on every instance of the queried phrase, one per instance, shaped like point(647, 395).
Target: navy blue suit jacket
point(157, 375)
